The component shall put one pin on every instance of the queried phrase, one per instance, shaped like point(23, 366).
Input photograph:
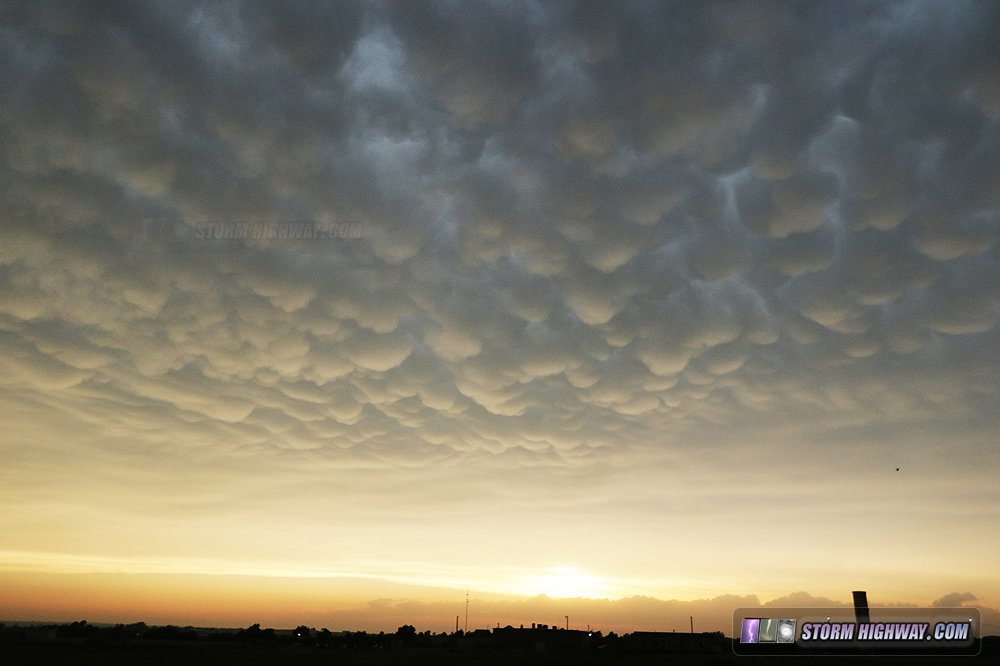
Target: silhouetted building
point(861, 613)
point(476, 639)
point(663, 641)
point(540, 638)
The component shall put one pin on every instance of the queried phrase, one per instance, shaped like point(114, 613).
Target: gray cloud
point(592, 232)
point(953, 600)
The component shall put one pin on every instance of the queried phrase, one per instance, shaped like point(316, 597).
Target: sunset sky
point(671, 307)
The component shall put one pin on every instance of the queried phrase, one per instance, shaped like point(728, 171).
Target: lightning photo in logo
point(837, 631)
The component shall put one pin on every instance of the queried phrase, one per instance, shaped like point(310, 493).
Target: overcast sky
point(641, 298)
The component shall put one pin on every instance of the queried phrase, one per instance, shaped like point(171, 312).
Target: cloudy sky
point(640, 300)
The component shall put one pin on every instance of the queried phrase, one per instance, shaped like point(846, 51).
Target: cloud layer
point(649, 265)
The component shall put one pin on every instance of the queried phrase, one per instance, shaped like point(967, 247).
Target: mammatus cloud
point(672, 252)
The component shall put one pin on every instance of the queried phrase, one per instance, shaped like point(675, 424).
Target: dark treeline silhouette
point(541, 638)
point(406, 636)
point(82, 644)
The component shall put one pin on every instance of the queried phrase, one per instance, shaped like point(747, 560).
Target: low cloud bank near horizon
point(635, 613)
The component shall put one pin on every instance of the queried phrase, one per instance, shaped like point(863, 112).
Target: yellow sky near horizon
point(359, 604)
point(373, 603)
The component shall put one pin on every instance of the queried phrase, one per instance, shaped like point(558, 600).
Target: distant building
point(476, 639)
point(540, 638)
point(663, 641)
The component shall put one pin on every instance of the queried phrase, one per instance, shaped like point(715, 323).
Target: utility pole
point(692, 624)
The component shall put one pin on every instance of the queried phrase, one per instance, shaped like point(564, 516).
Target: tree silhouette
point(302, 633)
point(407, 635)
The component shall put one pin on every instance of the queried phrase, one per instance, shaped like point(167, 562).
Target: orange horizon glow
point(369, 604)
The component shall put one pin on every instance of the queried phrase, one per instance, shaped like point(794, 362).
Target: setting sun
point(564, 583)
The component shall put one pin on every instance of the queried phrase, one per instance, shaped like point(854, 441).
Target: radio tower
point(466, 611)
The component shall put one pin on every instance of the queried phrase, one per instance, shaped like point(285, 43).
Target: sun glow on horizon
point(564, 583)
point(555, 582)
